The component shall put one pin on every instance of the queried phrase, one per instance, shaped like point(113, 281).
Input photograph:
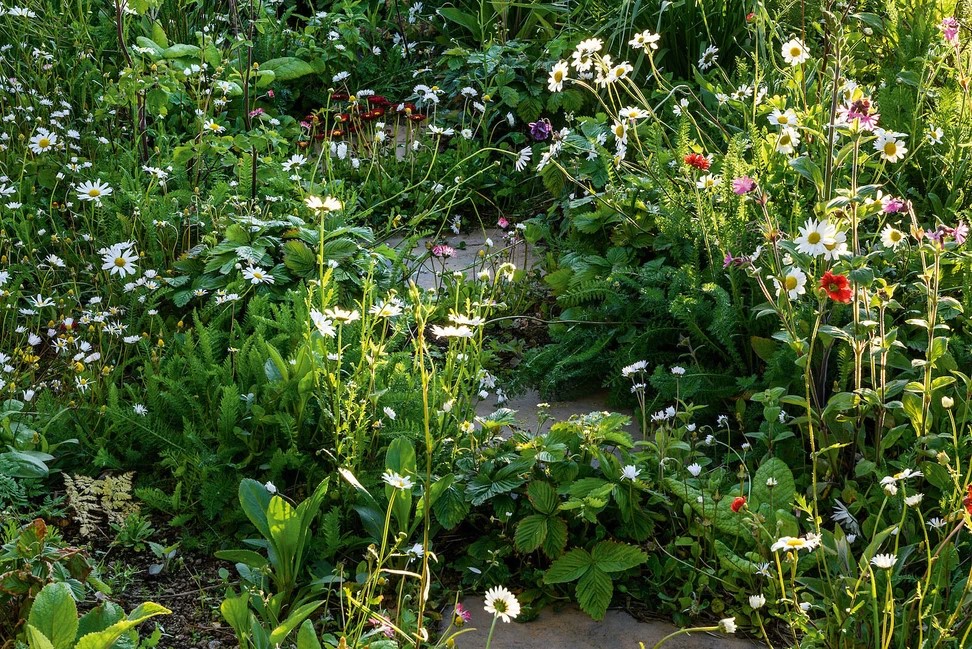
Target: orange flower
point(698, 161)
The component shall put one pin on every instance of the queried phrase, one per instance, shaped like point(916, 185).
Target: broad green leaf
point(611, 556)
point(55, 614)
point(36, 639)
point(594, 591)
point(181, 51)
point(531, 533)
point(778, 496)
point(307, 636)
point(287, 68)
point(255, 500)
point(556, 541)
point(279, 634)
point(246, 557)
point(568, 567)
point(543, 497)
point(236, 611)
point(105, 639)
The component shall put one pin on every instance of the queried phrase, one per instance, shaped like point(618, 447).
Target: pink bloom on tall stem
point(950, 27)
point(743, 185)
point(503, 223)
point(442, 250)
point(894, 205)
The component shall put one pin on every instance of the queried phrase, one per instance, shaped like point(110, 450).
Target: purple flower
point(541, 129)
point(960, 232)
point(742, 260)
point(894, 205)
point(743, 185)
point(950, 27)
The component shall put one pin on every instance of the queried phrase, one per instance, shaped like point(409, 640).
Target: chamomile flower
point(891, 237)
point(397, 481)
point(43, 141)
point(884, 561)
point(323, 205)
point(708, 58)
point(815, 236)
point(257, 275)
point(213, 126)
point(119, 259)
point(784, 118)
point(794, 283)
point(890, 148)
point(630, 472)
point(795, 52)
point(93, 191)
point(788, 140)
point(645, 40)
point(558, 74)
point(501, 603)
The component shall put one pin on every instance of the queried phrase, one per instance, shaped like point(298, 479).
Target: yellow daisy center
point(894, 236)
point(795, 51)
point(44, 142)
point(791, 282)
point(120, 261)
point(94, 192)
point(813, 238)
point(794, 543)
point(890, 148)
point(784, 119)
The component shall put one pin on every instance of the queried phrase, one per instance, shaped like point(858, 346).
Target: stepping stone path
point(572, 628)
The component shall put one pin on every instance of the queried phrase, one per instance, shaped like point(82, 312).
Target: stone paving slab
point(467, 259)
point(573, 629)
point(527, 410)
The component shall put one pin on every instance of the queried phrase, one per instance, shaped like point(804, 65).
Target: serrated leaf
point(569, 567)
point(542, 496)
point(553, 546)
point(594, 592)
point(531, 533)
point(55, 614)
point(611, 556)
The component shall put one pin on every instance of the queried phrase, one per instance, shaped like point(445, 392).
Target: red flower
point(738, 503)
point(836, 286)
point(698, 161)
point(967, 501)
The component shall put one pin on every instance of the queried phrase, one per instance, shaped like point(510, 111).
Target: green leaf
point(279, 634)
point(463, 19)
point(181, 51)
point(246, 557)
point(594, 591)
point(287, 68)
point(255, 499)
point(307, 636)
point(543, 497)
point(569, 567)
point(779, 496)
point(105, 639)
point(531, 533)
point(55, 614)
point(611, 556)
point(36, 639)
point(236, 611)
point(556, 541)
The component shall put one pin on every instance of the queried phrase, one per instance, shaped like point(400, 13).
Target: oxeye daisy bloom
point(884, 561)
point(93, 191)
point(836, 286)
point(632, 113)
point(630, 472)
point(815, 237)
point(257, 275)
point(793, 544)
point(645, 40)
point(500, 602)
point(618, 72)
point(708, 182)
point(397, 481)
point(119, 259)
point(42, 141)
point(213, 126)
point(323, 324)
point(620, 132)
point(727, 625)
point(461, 331)
point(708, 58)
point(786, 117)
point(794, 283)
point(523, 159)
point(557, 77)
point(891, 237)
point(788, 140)
point(757, 601)
point(934, 135)
point(323, 205)
point(339, 315)
point(794, 52)
point(837, 249)
point(890, 148)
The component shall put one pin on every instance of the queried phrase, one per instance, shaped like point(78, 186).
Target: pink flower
point(950, 27)
point(462, 613)
point(503, 223)
point(270, 94)
point(743, 185)
point(894, 205)
point(442, 250)
point(256, 112)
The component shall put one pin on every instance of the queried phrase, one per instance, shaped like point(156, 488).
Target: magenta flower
point(950, 27)
point(462, 613)
point(503, 223)
point(894, 205)
point(743, 185)
point(442, 250)
point(960, 232)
